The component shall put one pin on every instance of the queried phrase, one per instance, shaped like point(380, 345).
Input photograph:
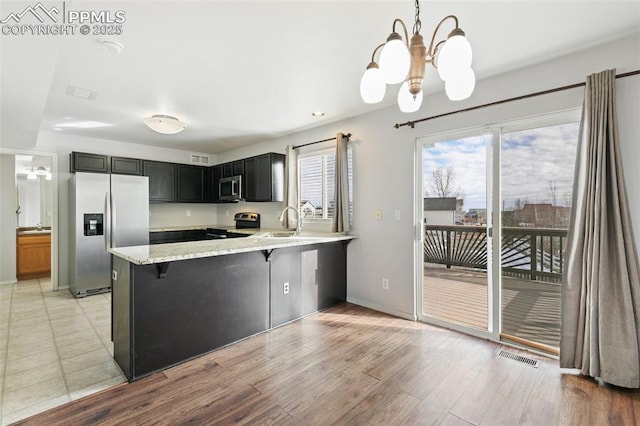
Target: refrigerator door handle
point(114, 226)
point(107, 222)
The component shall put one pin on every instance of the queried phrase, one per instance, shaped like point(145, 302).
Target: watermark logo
point(38, 10)
point(39, 19)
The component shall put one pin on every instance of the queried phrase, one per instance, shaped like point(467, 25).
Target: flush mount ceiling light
point(317, 114)
point(164, 124)
point(403, 61)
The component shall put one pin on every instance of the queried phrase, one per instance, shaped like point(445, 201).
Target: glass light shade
point(164, 124)
point(455, 54)
point(372, 86)
point(406, 102)
point(394, 61)
point(460, 85)
point(32, 175)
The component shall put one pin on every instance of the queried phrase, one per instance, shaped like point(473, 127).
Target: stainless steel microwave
point(230, 188)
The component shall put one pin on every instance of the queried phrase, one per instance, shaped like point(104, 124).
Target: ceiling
point(242, 72)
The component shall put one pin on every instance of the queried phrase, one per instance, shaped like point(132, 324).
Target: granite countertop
point(160, 253)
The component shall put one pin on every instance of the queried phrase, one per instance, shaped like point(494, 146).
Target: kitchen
point(383, 156)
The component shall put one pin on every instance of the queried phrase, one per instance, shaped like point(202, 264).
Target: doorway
point(16, 188)
point(494, 206)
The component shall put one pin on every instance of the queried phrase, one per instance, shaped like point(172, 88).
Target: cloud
point(532, 161)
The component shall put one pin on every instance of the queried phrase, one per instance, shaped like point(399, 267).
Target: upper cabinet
point(264, 177)
point(85, 162)
point(126, 166)
point(193, 184)
point(216, 174)
point(162, 181)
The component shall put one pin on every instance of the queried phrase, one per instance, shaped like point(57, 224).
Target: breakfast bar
point(174, 302)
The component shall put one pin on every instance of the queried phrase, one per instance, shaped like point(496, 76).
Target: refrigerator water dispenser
point(93, 224)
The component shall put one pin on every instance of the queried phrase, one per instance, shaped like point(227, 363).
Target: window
point(317, 183)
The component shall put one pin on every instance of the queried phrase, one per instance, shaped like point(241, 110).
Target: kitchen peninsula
point(174, 302)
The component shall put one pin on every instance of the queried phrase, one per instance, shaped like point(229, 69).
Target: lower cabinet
point(33, 256)
point(305, 280)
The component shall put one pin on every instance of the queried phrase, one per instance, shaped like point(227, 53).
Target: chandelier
point(403, 61)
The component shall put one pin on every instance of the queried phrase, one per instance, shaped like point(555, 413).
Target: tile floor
point(53, 348)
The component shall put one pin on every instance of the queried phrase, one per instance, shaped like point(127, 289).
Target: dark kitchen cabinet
point(216, 174)
point(126, 166)
point(192, 184)
point(162, 181)
point(85, 162)
point(233, 168)
point(264, 176)
point(164, 237)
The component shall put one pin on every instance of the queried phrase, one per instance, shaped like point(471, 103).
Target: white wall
point(63, 145)
point(8, 219)
point(383, 159)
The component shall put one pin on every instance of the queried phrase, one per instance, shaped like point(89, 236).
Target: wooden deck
point(530, 309)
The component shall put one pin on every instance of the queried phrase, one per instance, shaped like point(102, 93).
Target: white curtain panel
point(600, 333)
point(341, 192)
point(290, 219)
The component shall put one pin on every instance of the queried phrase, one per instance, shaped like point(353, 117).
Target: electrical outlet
point(114, 275)
point(188, 212)
point(385, 283)
point(378, 214)
point(285, 288)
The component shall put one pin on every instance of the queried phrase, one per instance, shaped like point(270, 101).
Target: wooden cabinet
point(126, 166)
point(264, 176)
point(192, 184)
point(162, 181)
point(33, 256)
point(85, 162)
point(216, 174)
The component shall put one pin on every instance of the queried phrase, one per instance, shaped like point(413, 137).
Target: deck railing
point(530, 253)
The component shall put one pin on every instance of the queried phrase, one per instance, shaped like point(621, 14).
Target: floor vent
point(528, 361)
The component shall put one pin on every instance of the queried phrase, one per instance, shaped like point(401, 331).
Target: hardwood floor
point(351, 365)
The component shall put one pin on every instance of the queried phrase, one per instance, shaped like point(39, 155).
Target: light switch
point(396, 214)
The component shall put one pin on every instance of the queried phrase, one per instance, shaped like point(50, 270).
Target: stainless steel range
point(247, 220)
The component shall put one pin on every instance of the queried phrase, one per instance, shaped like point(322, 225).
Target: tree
point(553, 192)
point(443, 182)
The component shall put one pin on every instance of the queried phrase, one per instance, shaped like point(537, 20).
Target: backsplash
point(181, 214)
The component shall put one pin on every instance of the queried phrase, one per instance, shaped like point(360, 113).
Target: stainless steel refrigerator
point(105, 211)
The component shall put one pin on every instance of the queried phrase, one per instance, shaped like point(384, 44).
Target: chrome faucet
point(298, 222)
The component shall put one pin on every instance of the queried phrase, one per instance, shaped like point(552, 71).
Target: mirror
point(34, 191)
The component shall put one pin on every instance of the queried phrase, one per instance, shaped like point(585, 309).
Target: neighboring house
point(440, 211)
point(308, 210)
point(543, 215)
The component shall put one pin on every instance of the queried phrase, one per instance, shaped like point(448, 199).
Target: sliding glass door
point(454, 219)
point(497, 275)
point(537, 165)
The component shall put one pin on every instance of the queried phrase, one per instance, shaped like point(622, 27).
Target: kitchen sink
point(282, 234)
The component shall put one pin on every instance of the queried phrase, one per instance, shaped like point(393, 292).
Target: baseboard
point(7, 282)
point(384, 309)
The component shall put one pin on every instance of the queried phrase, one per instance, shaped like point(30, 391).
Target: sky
point(531, 162)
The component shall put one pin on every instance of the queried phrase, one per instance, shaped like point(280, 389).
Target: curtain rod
point(348, 135)
point(517, 98)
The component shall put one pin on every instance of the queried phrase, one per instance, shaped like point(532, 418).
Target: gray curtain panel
point(341, 192)
point(290, 219)
point(600, 331)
